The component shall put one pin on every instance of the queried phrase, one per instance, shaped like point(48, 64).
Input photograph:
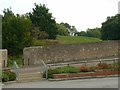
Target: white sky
point(82, 14)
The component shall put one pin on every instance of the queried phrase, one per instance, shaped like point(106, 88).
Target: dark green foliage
point(15, 32)
point(12, 76)
point(18, 60)
point(68, 69)
point(111, 28)
point(8, 76)
point(114, 66)
point(82, 33)
point(42, 19)
point(37, 34)
point(92, 68)
point(95, 32)
point(71, 30)
point(50, 73)
point(65, 69)
point(62, 30)
point(5, 77)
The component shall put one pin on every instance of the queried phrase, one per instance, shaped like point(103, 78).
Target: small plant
point(65, 69)
point(8, 76)
point(114, 66)
point(50, 73)
point(68, 69)
point(92, 68)
point(5, 77)
point(102, 65)
point(84, 68)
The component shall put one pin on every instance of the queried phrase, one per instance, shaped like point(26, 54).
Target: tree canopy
point(15, 32)
point(42, 19)
point(111, 28)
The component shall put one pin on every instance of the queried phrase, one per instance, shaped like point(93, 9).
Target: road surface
point(80, 83)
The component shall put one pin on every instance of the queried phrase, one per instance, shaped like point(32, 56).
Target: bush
point(5, 77)
point(8, 76)
point(12, 76)
point(66, 69)
point(102, 65)
point(18, 60)
point(92, 68)
point(114, 66)
point(50, 73)
point(84, 68)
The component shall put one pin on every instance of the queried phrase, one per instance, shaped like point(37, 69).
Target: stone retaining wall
point(73, 52)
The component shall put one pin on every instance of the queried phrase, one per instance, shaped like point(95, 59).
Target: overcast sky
point(82, 14)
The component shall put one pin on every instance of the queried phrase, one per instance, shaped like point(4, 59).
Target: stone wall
point(73, 52)
point(3, 57)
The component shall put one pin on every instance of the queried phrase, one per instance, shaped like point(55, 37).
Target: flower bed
point(92, 74)
point(101, 69)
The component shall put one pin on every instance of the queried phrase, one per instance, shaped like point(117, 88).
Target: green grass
point(65, 40)
point(44, 42)
point(76, 39)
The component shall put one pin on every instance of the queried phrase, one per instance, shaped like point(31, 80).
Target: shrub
point(84, 68)
point(50, 73)
point(8, 76)
point(102, 65)
point(92, 68)
point(114, 66)
point(5, 77)
point(18, 60)
point(68, 69)
point(12, 76)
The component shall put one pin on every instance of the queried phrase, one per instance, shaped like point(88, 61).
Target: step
point(34, 76)
point(29, 74)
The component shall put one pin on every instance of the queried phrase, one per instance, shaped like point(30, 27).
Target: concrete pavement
point(81, 83)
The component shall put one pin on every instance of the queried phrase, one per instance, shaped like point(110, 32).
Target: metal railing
point(46, 69)
point(16, 69)
point(85, 62)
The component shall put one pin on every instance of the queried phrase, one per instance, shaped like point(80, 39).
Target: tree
point(82, 33)
point(71, 29)
point(111, 28)
point(36, 33)
point(62, 30)
point(95, 32)
point(42, 19)
point(15, 34)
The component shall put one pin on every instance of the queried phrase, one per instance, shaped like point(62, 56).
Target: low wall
point(73, 52)
point(3, 57)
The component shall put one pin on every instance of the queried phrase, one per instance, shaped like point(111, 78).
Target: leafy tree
point(36, 33)
point(62, 30)
point(71, 29)
point(82, 33)
point(111, 28)
point(15, 34)
point(95, 32)
point(42, 19)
